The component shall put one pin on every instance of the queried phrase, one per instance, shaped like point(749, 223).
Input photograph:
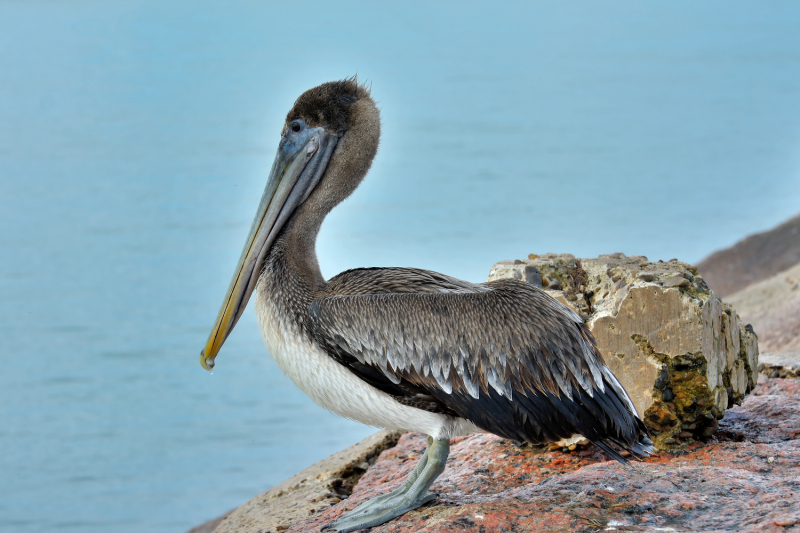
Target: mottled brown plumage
point(406, 348)
point(328, 105)
point(504, 355)
point(498, 354)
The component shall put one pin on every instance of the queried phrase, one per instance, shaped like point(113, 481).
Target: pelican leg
point(412, 477)
point(413, 493)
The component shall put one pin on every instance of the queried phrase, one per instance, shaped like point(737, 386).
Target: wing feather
point(504, 355)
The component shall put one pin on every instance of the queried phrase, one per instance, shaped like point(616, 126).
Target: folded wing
point(504, 355)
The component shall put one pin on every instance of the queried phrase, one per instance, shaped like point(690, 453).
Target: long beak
point(301, 160)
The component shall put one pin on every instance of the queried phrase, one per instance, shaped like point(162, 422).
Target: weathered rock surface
point(314, 489)
point(753, 259)
point(780, 365)
point(772, 306)
point(680, 352)
point(746, 478)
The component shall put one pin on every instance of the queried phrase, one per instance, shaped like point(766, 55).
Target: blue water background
point(135, 138)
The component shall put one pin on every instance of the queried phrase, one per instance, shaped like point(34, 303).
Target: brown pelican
point(404, 348)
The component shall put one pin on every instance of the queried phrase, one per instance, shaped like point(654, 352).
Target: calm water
point(135, 138)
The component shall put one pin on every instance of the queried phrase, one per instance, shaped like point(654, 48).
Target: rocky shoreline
point(737, 471)
point(742, 479)
point(753, 259)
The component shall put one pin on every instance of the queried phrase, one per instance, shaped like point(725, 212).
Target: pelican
point(405, 348)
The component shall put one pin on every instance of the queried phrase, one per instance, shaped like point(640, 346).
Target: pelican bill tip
point(206, 362)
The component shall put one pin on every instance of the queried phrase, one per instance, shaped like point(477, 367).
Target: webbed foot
point(412, 494)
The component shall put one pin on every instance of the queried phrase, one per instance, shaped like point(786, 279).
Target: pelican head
point(327, 145)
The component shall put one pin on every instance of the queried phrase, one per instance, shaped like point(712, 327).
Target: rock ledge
point(743, 479)
point(310, 491)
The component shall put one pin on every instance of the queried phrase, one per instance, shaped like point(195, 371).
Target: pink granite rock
point(746, 478)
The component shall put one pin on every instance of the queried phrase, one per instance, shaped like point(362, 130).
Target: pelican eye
point(296, 126)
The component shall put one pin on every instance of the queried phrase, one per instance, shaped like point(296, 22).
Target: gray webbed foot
point(412, 494)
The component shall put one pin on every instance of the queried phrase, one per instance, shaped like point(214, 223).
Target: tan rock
point(772, 306)
point(313, 490)
point(681, 353)
point(572, 442)
point(755, 258)
point(780, 365)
